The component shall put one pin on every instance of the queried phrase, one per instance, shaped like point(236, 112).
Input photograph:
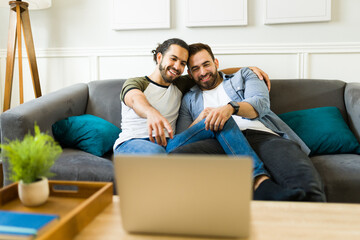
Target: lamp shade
point(33, 4)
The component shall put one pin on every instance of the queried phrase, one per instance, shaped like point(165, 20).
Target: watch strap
point(235, 105)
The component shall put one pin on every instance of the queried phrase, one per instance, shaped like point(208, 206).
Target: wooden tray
point(76, 208)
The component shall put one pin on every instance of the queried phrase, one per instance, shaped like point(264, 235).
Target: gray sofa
point(340, 172)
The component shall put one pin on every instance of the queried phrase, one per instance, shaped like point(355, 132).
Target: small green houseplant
point(30, 160)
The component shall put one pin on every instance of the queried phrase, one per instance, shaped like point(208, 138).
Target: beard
point(166, 78)
point(211, 83)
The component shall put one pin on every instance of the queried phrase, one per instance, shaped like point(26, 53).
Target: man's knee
point(281, 147)
point(153, 149)
point(292, 168)
point(139, 146)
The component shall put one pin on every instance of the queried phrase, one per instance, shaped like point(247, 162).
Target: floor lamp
point(19, 20)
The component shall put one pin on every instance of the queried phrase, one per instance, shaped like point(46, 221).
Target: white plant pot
point(34, 194)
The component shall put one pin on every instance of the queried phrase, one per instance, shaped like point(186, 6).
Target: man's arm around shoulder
point(256, 93)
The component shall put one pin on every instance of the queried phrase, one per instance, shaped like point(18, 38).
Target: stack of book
point(20, 225)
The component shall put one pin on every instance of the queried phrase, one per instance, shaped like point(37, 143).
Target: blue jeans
point(231, 139)
point(139, 146)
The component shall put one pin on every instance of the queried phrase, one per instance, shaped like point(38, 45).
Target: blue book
point(23, 224)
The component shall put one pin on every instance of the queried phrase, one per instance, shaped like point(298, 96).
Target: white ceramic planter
point(34, 194)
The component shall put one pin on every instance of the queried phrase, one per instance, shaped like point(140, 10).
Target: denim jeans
point(139, 146)
point(287, 164)
point(231, 139)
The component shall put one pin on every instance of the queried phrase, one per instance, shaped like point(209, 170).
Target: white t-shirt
point(217, 97)
point(166, 100)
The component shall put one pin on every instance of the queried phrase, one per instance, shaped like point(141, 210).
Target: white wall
point(75, 43)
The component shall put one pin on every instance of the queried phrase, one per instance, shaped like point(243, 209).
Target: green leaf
point(32, 157)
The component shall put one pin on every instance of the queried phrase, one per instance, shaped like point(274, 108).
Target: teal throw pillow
point(323, 130)
point(86, 132)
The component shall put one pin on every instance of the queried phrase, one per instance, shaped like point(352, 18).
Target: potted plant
point(30, 161)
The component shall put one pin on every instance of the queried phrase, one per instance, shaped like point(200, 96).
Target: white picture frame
point(209, 13)
point(296, 11)
point(140, 14)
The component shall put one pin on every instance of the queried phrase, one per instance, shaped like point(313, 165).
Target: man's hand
point(217, 117)
point(262, 76)
point(136, 100)
point(156, 122)
point(202, 115)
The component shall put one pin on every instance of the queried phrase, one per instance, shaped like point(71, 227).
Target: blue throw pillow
point(86, 132)
point(323, 130)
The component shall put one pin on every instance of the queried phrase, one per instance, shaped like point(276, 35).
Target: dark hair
point(197, 47)
point(162, 48)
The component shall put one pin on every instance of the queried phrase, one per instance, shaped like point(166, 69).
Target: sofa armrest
point(46, 110)
point(352, 103)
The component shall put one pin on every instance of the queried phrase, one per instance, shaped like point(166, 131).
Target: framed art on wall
point(207, 13)
point(140, 14)
point(294, 11)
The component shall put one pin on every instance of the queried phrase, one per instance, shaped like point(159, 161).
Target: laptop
point(196, 195)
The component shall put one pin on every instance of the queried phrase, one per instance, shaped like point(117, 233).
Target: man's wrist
point(235, 107)
point(151, 111)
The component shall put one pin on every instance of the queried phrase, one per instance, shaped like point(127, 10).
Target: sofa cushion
point(340, 175)
point(323, 130)
point(76, 165)
point(86, 132)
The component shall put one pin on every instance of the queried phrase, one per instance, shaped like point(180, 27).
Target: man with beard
point(219, 100)
point(150, 104)
point(150, 108)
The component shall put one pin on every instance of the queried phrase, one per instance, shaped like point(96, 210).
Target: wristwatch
point(235, 105)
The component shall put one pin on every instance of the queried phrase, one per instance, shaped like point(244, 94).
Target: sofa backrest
point(104, 100)
point(288, 95)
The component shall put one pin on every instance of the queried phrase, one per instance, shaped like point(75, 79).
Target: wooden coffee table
point(270, 220)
